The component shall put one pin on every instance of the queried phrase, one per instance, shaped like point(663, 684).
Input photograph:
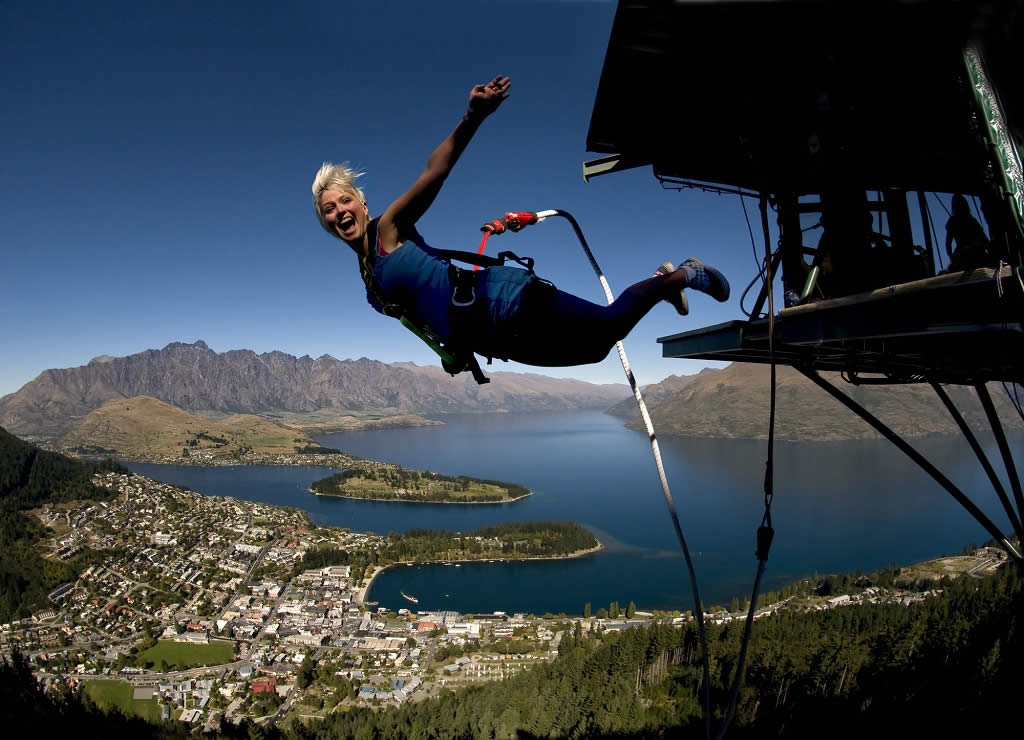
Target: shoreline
point(363, 590)
point(415, 501)
point(299, 460)
point(273, 459)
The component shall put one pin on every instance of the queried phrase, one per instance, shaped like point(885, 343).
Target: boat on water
point(406, 596)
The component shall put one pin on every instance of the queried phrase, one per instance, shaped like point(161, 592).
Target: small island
point(381, 482)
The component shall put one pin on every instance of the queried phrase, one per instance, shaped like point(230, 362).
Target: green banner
point(1007, 156)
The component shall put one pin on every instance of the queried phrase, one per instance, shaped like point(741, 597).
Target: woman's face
point(345, 214)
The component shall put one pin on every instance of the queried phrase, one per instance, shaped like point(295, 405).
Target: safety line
point(698, 607)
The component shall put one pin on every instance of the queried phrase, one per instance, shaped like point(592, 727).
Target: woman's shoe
point(676, 298)
point(705, 279)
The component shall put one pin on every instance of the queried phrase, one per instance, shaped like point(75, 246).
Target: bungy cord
point(698, 608)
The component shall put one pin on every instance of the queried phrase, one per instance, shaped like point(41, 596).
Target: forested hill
point(30, 477)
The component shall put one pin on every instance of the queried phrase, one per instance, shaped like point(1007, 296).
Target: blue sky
point(158, 160)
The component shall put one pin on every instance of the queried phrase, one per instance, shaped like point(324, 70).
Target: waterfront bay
point(838, 507)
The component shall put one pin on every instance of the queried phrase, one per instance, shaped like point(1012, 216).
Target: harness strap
point(465, 314)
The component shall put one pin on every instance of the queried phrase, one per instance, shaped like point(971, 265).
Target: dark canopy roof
point(794, 95)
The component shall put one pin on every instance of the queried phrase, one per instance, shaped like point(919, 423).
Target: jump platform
point(962, 327)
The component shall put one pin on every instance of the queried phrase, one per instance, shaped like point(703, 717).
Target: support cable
point(926, 218)
point(765, 532)
point(1004, 448)
point(931, 225)
point(972, 440)
point(698, 606)
point(753, 243)
point(917, 457)
point(941, 204)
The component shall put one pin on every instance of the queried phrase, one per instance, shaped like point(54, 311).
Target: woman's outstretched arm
point(414, 202)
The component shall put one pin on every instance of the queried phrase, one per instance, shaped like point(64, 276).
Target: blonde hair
point(338, 177)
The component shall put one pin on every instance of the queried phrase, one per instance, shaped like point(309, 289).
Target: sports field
point(111, 694)
point(186, 655)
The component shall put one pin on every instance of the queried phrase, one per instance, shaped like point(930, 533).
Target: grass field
point(935, 569)
point(186, 655)
point(111, 694)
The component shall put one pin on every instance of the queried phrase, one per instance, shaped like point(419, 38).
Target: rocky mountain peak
point(197, 379)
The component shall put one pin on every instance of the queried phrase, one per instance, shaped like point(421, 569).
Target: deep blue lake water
point(838, 507)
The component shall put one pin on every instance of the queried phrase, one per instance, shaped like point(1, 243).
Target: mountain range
point(324, 394)
point(197, 379)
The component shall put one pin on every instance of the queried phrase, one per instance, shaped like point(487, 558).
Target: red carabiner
point(497, 226)
point(518, 220)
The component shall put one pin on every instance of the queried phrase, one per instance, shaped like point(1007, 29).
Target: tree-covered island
point(510, 541)
point(383, 482)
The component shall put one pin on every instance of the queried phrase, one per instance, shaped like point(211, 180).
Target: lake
point(838, 507)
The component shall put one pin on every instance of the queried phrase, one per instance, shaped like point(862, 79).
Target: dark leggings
point(558, 329)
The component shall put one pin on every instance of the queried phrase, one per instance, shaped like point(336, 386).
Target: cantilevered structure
point(843, 121)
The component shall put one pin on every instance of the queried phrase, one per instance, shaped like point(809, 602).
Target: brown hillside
point(656, 393)
point(734, 403)
point(144, 426)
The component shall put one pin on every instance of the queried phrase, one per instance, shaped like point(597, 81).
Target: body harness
point(466, 315)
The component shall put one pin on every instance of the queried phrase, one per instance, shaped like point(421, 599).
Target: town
point(200, 610)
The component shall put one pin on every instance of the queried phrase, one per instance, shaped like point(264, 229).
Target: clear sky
point(158, 158)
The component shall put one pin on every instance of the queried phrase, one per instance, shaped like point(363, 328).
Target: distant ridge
point(197, 379)
point(656, 393)
point(734, 403)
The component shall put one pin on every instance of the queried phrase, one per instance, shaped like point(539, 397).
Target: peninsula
point(381, 482)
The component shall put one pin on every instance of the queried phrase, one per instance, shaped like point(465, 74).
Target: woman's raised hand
point(485, 99)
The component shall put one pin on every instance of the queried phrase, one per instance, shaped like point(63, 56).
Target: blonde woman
point(514, 314)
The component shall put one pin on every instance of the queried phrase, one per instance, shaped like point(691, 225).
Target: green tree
point(304, 676)
point(631, 610)
point(586, 610)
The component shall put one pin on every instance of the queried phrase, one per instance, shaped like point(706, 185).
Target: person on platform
point(515, 315)
point(972, 245)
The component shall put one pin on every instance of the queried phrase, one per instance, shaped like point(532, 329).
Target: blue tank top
point(417, 280)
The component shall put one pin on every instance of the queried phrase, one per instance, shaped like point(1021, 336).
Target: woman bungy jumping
point(506, 312)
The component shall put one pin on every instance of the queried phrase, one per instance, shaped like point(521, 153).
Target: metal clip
point(470, 302)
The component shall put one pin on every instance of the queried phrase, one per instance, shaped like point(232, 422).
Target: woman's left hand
point(485, 99)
